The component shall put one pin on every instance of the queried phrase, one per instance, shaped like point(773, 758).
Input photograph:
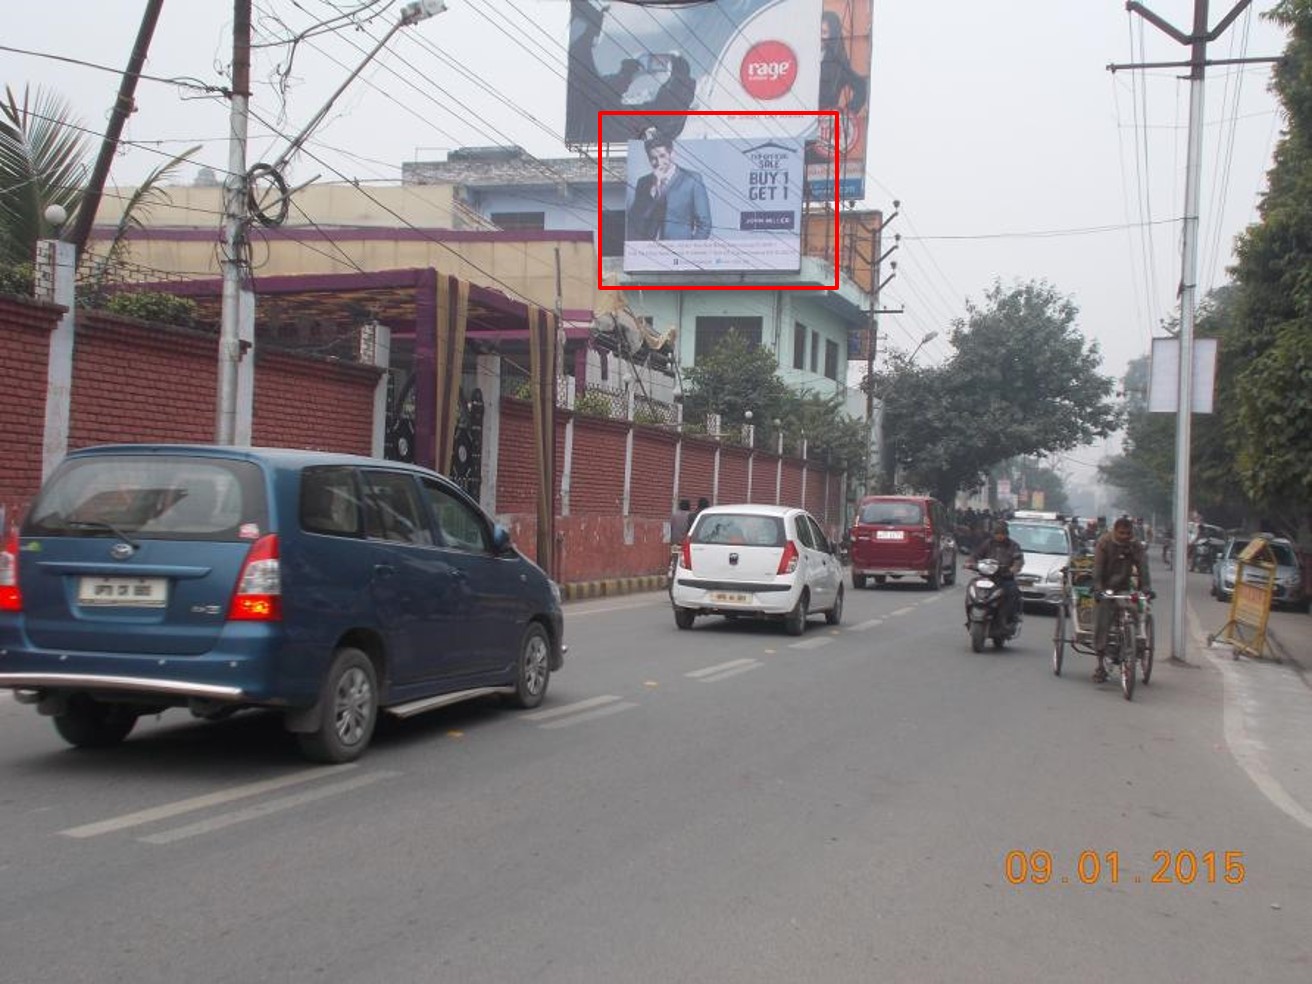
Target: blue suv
point(328, 586)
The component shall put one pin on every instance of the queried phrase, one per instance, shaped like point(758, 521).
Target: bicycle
point(1131, 631)
point(1130, 642)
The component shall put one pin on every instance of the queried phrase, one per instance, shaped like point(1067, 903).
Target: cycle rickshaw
point(1130, 642)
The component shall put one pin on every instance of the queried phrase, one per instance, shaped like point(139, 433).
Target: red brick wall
point(596, 541)
point(134, 381)
point(516, 466)
point(597, 472)
point(697, 471)
point(652, 487)
point(733, 474)
point(138, 383)
point(25, 328)
point(312, 403)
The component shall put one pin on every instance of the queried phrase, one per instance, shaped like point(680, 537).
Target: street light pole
point(884, 461)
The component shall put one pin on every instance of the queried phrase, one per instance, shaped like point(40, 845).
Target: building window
point(799, 345)
point(612, 232)
point(712, 330)
point(519, 221)
point(815, 351)
point(831, 359)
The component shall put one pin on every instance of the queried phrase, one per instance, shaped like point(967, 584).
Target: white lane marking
point(707, 671)
point(863, 626)
point(578, 705)
point(734, 672)
point(814, 643)
point(592, 715)
point(578, 613)
point(1247, 751)
point(903, 611)
point(932, 600)
point(264, 809)
point(204, 802)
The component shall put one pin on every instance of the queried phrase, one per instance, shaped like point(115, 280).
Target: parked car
point(1288, 592)
point(329, 586)
point(897, 536)
point(757, 561)
point(1048, 549)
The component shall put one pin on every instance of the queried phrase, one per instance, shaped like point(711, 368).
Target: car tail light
point(11, 597)
point(258, 597)
point(788, 562)
point(685, 554)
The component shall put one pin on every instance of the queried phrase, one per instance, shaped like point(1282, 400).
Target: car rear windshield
point(891, 514)
point(1040, 539)
point(174, 497)
point(740, 530)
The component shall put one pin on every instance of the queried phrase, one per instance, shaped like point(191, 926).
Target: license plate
point(123, 592)
point(730, 597)
point(889, 535)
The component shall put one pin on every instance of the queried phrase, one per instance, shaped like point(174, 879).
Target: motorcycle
point(1203, 557)
point(985, 595)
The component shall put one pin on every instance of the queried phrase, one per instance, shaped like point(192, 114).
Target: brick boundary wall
point(136, 381)
point(25, 328)
point(596, 543)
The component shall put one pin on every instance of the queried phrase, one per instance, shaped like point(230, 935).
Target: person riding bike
point(1117, 558)
point(1007, 552)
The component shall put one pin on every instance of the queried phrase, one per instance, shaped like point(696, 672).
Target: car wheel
point(684, 617)
point(858, 581)
point(879, 580)
point(533, 672)
point(348, 710)
point(88, 723)
point(1223, 597)
point(795, 621)
point(835, 614)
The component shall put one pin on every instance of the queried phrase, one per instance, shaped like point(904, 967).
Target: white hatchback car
point(760, 562)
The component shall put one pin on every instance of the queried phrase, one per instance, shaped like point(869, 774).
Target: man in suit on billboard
point(671, 202)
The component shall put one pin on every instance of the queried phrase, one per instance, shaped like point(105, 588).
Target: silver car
point(1288, 591)
point(757, 561)
point(1047, 547)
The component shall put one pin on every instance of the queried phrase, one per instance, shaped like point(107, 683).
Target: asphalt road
point(718, 805)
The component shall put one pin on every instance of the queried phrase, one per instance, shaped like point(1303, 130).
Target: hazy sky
point(1015, 153)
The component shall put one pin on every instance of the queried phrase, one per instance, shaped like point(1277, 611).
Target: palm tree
point(42, 163)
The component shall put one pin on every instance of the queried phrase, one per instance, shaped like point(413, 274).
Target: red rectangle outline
point(838, 170)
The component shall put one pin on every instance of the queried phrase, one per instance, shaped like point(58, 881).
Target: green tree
point(1022, 381)
point(43, 162)
point(1273, 393)
point(736, 376)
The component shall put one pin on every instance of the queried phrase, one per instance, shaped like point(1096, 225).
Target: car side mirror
point(500, 538)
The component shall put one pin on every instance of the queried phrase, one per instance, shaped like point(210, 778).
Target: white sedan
point(757, 561)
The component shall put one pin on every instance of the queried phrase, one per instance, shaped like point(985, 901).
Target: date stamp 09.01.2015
point(1094, 868)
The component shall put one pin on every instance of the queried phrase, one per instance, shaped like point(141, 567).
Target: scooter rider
point(1007, 552)
point(1116, 559)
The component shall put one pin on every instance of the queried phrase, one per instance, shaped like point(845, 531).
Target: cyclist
point(1117, 558)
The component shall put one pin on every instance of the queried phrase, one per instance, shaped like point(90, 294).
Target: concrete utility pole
point(872, 341)
point(1198, 40)
point(235, 222)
